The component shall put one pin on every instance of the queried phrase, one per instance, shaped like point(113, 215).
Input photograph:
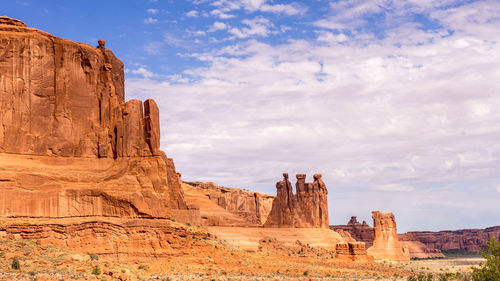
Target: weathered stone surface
point(386, 243)
point(471, 240)
point(355, 251)
point(69, 143)
point(307, 208)
point(418, 249)
point(246, 208)
point(359, 231)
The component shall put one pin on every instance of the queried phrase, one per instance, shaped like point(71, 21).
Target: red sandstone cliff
point(224, 206)
point(470, 240)
point(386, 242)
point(70, 145)
point(359, 231)
point(307, 208)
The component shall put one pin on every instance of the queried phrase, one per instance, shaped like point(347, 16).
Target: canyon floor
point(209, 259)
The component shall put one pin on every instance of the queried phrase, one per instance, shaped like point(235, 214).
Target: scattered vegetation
point(15, 263)
point(94, 257)
point(142, 267)
point(490, 271)
point(96, 270)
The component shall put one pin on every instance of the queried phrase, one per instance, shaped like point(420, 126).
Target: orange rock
point(386, 243)
point(307, 208)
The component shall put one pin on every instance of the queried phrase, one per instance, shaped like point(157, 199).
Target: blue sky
point(394, 102)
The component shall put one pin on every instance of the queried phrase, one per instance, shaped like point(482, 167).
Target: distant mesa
point(307, 208)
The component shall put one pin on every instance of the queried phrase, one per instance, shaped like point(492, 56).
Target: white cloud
point(143, 72)
point(153, 48)
point(415, 108)
point(259, 5)
point(256, 27)
point(150, 20)
point(153, 11)
point(192, 14)
point(217, 26)
point(218, 13)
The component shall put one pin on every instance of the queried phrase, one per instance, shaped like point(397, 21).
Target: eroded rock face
point(355, 251)
point(418, 249)
point(359, 231)
point(307, 208)
point(252, 207)
point(470, 240)
point(69, 143)
point(386, 242)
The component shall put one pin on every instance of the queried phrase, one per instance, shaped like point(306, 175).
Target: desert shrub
point(490, 271)
point(306, 273)
point(15, 263)
point(143, 266)
point(96, 270)
point(94, 257)
point(430, 277)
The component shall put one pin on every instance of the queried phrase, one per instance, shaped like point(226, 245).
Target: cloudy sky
point(394, 102)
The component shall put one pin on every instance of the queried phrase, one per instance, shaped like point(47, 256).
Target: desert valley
point(87, 193)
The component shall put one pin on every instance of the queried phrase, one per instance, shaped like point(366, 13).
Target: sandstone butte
point(72, 147)
point(82, 168)
point(386, 242)
point(307, 208)
point(365, 233)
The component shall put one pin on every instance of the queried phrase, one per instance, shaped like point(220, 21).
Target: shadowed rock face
point(359, 231)
point(69, 143)
point(307, 208)
point(386, 243)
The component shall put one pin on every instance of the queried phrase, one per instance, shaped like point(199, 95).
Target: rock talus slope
point(70, 145)
point(386, 242)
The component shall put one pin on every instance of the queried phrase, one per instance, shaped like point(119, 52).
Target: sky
point(393, 102)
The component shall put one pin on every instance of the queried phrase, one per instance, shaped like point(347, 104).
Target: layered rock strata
point(360, 231)
point(307, 208)
point(386, 242)
point(252, 207)
point(355, 251)
point(70, 145)
point(418, 249)
point(467, 240)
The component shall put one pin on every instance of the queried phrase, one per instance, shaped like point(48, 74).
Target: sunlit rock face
point(70, 146)
point(386, 242)
point(307, 208)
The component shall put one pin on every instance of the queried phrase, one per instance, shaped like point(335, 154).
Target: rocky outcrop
point(70, 145)
point(252, 207)
point(360, 231)
point(467, 240)
point(307, 208)
point(417, 249)
point(386, 242)
point(355, 251)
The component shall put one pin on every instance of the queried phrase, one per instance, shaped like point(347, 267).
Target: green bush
point(96, 270)
point(143, 266)
point(490, 271)
point(94, 257)
point(306, 273)
point(15, 263)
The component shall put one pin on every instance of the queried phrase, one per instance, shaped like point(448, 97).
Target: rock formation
point(70, 146)
point(355, 251)
point(467, 240)
point(359, 231)
point(418, 249)
point(307, 208)
point(250, 208)
point(386, 243)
